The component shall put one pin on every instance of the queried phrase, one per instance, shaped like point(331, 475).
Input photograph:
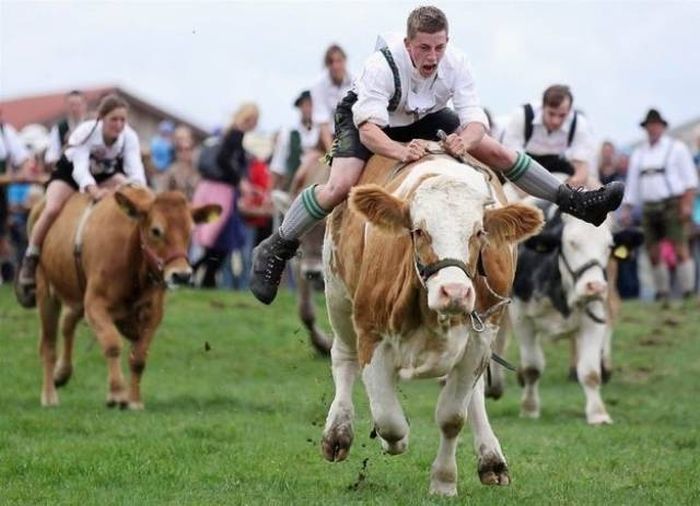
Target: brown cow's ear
point(134, 201)
point(206, 213)
point(380, 208)
point(512, 223)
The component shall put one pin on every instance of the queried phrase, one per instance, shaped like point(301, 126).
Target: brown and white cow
point(131, 245)
point(401, 264)
point(561, 290)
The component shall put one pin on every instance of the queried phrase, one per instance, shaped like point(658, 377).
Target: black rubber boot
point(25, 284)
point(269, 260)
point(590, 205)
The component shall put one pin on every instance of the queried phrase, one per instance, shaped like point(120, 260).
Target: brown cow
point(412, 267)
point(112, 264)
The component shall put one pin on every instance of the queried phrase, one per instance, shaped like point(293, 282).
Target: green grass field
point(241, 422)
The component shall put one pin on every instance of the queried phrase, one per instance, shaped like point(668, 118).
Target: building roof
point(48, 109)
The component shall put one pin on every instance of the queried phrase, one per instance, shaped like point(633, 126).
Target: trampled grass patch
point(236, 401)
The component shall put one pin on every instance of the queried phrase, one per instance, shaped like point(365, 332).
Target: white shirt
point(680, 174)
point(90, 155)
point(419, 96)
point(12, 151)
point(543, 142)
point(325, 95)
point(55, 149)
point(309, 140)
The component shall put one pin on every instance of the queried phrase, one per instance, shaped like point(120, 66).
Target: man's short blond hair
point(426, 19)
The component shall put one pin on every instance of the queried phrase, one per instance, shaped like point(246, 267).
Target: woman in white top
point(101, 154)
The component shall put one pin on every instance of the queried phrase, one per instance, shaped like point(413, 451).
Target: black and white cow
point(560, 290)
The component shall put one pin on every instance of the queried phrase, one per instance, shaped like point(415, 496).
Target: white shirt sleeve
point(631, 196)
point(320, 113)
point(133, 165)
point(581, 149)
point(686, 168)
point(53, 152)
point(465, 98)
point(17, 153)
point(81, 166)
point(278, 164)
point(514, 132)
point(374, 89)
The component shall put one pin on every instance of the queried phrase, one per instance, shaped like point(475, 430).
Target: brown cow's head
point(448, 223)
point(165, 224)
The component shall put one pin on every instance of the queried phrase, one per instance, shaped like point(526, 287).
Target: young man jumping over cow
point(401, 97)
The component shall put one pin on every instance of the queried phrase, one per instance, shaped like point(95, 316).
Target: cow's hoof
point(442, 488)
point(493, 471)
point(135, 406)
point(599, 419)
point(62, 374)
point(49, 400)
point(395, 447)
point(530, 413)
point(115, 399)
point(336, 442)
point(494, 391)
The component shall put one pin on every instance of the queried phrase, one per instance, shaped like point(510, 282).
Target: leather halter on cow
point(401, 267)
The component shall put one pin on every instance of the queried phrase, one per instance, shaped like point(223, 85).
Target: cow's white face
point(447, 223)
point(581, 244)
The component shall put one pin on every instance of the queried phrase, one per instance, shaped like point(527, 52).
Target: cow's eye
point(156, 232)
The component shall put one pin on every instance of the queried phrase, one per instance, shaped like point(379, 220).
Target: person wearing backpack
point(222, 163)
point(554, 134)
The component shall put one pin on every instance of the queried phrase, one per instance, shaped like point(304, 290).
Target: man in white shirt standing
point(76, 113)
point(401, 97)
point(296, 145)
point(663, 180)
point(329, 89)
point(554, 134)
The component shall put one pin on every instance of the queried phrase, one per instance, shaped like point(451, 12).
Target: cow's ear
point(206, 213)
point(512, 223)
point(135, 201)
point(380, 208)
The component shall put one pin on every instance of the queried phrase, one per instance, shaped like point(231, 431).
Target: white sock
point(33, 251)
point(685, 273)
point(662, 279)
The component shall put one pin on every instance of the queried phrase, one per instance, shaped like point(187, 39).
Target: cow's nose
point(455, 296)
point(181, 278)
point(596, 287)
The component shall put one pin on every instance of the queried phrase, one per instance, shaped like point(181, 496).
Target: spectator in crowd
point(554, 134)
point(182, 174)
point(102, 154)
point(608, 164)
point(76, 113)
point(162, 148)
point(397, 99)
point(663, 179)
point(222, 165)
point(296, 147)
point(15, 163)
point(328, 90)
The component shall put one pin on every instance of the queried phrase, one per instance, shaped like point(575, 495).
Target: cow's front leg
point(451, 410)
point(338, 432)
point(137, 364)
point(492, 466)
point(101, 322)
point(531, 361)
point(380, 376)
point(590, 353)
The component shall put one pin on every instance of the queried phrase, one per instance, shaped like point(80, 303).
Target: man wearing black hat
point(663, 180)
point(294, 145)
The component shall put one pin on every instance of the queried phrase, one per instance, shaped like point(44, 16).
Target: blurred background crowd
point(239, 167)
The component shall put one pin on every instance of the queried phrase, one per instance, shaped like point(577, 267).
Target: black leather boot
point(269, 260)
point(590, 205)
